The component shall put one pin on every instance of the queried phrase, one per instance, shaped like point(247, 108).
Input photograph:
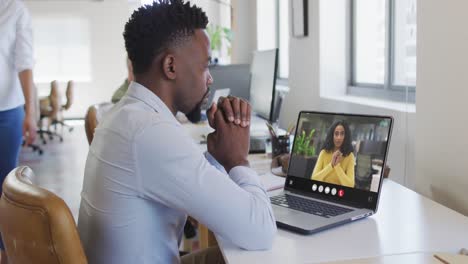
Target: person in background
point(120, 92)
point(17, 94)
point(336, 161)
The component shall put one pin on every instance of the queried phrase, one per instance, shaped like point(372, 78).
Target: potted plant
point(303, 155)
point(217, 34)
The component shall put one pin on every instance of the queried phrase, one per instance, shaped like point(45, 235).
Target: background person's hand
point(229, 143)
point(29, 129)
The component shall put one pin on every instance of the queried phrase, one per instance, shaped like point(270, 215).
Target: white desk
point(405, 223)
point(257, 128)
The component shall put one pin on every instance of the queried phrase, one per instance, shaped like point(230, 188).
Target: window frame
point(280, 80)
point(387, 90)
point(277, 38)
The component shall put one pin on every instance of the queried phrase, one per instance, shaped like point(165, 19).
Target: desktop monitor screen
point(262, 83)
point(236, 77)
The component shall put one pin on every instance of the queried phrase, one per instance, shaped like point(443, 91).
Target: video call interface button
point(314, 187)
point(341, 193)
point(327, 190)
point(320, 188)
point(333, 191)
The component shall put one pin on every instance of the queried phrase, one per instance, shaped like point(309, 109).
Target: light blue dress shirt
point(16, 51)
point(144, 174)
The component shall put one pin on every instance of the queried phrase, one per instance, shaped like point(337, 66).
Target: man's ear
point(169, 67)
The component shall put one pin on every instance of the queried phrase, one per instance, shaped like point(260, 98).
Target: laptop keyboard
point(309, 206)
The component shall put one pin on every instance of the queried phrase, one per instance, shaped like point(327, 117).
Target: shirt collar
point(141, 93)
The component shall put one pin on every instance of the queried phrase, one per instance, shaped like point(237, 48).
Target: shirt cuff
point(24, 65)
point(214, 162)
point(244, 175)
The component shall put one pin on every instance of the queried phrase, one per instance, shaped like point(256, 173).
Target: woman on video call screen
point(342, 150)
point(336, 160)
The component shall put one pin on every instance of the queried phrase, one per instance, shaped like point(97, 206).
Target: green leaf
point(217, 34)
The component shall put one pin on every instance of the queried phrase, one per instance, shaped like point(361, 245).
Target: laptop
point(324, 189)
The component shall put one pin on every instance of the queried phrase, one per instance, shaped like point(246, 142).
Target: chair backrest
point(375, 148)
point(36, 225)
point(363, 166)
point(93, 115)
point(302, 165)
point(50, 107)
point(69, 95)
point(37, 107)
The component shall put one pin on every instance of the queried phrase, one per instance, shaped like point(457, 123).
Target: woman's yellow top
point(341, 174)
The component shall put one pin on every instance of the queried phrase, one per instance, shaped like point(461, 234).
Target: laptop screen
point(340, 156)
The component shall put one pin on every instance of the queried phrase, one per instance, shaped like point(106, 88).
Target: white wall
point(318, 78)
point(219, 13)
point(244, 27)
point(442, 122)
point(333, 47)
point(107, 19)
point(304, 71)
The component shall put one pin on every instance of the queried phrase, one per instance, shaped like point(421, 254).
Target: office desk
point(200, 130)
point(406, 222)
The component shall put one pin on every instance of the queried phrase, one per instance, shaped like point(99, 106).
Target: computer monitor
point(236, 77)
point(262, 83)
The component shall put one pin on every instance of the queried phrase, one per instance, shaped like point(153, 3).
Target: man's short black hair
point(153, 28)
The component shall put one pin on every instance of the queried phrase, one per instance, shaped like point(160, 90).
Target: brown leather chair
point(93, 115)
point(49, 110)
point(36, 225)
point(377, 149)
point(69, 95)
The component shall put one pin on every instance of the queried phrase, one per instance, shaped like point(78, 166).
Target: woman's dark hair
point(153, 28)
point(346, 147)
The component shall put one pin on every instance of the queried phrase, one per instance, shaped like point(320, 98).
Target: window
point(283, 22)
point(383, 49)
point(273, 31)
point(219, 17)
point(62, 49)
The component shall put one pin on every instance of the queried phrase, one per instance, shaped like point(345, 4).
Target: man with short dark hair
point(144, 173)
